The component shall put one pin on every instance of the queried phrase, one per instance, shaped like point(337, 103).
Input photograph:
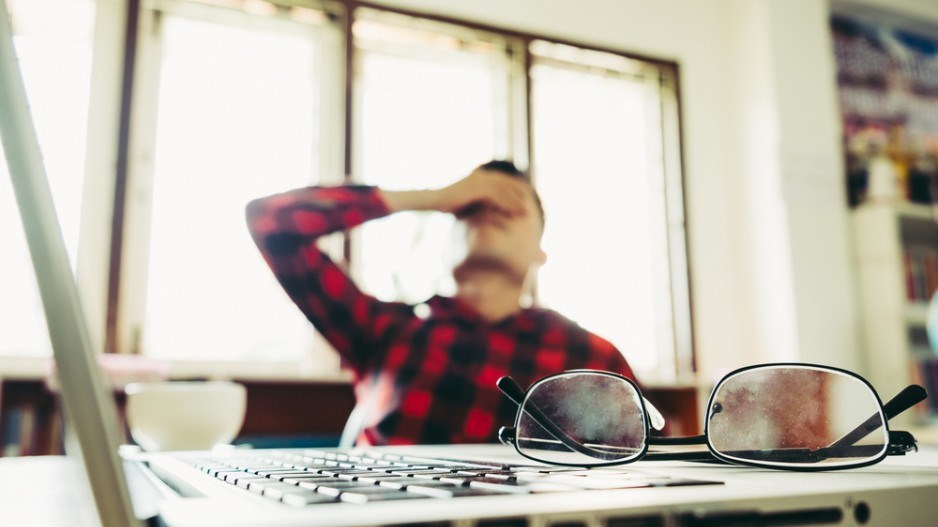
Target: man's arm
point(482, 187)
point(285, 228)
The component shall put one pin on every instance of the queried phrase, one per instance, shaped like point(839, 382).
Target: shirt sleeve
point(285, 228)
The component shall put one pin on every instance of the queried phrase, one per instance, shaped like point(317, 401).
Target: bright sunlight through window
point(591, 153)
point(428, 117)
point(238, 119)
point(53, 41)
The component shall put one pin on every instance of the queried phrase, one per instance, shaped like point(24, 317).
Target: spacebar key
point(301, 497)
point(504, 488)
point(451, 491)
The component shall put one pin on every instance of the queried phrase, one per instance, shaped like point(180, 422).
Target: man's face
point(496, 240)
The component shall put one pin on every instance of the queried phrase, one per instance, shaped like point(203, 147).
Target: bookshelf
point(897, 262)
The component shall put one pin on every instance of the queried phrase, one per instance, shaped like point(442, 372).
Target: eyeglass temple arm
point(907, 398)
point(910, 396)
point(513, 391)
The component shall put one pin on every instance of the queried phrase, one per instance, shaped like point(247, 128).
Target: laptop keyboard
point(310, 477)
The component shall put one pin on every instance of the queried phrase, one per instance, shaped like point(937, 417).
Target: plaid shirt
point(420, 379)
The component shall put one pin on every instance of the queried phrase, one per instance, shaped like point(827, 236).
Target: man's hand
point(480, 189)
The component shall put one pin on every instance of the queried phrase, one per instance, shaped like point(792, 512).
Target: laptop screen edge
point(88, 406)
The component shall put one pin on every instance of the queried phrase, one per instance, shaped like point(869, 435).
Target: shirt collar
point(452, 308)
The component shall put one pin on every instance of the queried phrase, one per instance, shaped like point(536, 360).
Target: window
point(432, 106)
point(431, 103)
point(237, 116)
point(235, 99)
point(53, 41)
point(597, 151)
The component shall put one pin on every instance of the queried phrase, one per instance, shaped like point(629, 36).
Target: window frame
point(123, 317)
point(127, 297)
point(662, 117)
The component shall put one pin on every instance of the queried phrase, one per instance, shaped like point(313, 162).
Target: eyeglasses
point(783, 416)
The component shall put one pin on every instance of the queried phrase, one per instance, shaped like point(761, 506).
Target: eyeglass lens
point(788, 415)
point(582, 418)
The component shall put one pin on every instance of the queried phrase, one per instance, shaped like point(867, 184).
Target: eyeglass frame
point(899, 442)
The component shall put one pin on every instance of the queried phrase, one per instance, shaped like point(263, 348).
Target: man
point(431, 379)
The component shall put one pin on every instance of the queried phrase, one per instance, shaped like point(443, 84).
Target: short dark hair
point(508, 167)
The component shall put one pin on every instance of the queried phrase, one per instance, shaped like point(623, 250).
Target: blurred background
point(726, 182)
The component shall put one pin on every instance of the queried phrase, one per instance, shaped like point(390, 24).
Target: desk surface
point(53, 491)
point(45, 491)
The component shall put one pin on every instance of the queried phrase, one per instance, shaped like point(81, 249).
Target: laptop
point(457, 485)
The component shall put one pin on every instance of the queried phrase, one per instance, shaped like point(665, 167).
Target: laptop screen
point(88, 406)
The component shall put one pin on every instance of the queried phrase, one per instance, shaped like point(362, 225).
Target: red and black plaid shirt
point(419, 379)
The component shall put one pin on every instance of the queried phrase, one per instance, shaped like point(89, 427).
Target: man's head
point(508, 168)
point(499, 240)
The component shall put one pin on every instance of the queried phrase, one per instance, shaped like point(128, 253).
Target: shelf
point(896, 246)
point(903, 209)
point(916, 211)
point(916, 314)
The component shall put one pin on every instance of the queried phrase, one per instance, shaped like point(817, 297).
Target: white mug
point(184, 415)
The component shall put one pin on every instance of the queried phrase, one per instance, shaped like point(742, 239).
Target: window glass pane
point(429, 107)
point(53, 41)
point(592, 159)
point(238, 118)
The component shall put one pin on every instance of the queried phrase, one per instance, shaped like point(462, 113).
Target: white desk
point(52, 490)
point(45, 491)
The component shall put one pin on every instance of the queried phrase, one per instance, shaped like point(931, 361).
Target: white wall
point(799, 248)
point(770, 253)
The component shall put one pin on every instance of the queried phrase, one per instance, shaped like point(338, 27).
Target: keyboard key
point(414, 472)
point(247, 480)
point(235, 477)
point(501, 474)
point(504, 487)
point(308, 484)
point(229, 477)
point(261, 486)
point(543, 469)
point(531, 476)
point(431, 476)
point(282, 472)
point(463, 481)
point(296, 480)
point(276, 491)
point(375, 478)
point(369, 494)
point(345, 473)
point(403, 482)
point(334, 488)
point(449, 491)
point(220, 473)
point(301, 498)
